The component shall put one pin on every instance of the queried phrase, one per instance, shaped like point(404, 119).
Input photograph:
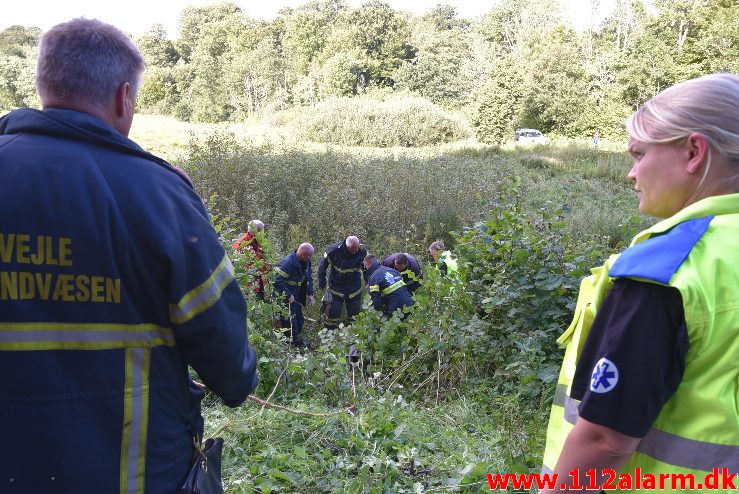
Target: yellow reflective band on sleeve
point(281, 272)
point(374, 288)
point(390, 289)
point(135, 421)
point(204, 296)
point(26, 336)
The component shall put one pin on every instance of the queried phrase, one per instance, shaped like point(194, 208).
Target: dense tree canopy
point(516, 66)
point(17, 66)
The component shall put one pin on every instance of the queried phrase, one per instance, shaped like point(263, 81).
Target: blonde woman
point(648, 392)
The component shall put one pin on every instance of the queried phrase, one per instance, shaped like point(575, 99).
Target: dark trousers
point(294, 323)
point(353, 306)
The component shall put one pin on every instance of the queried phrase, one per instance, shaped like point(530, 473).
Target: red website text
point(610, 480)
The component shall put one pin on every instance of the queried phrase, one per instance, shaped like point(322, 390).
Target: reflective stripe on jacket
point(346, 270)
point(694, 251)
point(448, 264)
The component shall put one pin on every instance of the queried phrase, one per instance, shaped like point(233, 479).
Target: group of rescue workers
point(391, 281)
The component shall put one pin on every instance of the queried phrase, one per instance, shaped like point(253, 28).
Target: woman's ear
point(697, 149)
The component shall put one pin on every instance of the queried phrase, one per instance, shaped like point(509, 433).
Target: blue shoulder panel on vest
point(659, 257)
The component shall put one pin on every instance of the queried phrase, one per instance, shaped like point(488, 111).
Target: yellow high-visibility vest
point(697, 430)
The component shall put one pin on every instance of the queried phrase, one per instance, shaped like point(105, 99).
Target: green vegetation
point(18, 67)
point(402, 199)
point(460, 388)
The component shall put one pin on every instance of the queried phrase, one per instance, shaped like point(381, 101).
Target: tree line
point(519, 65)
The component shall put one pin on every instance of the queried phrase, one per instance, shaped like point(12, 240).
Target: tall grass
point(609, 162)
point(590, 185)
point(403, 199)
point(400, 200)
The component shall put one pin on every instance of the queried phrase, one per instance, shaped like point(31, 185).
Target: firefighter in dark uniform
point(112, 283)
point(343, 263)
point(408, 266)
point(386, 287)
point(294, 279)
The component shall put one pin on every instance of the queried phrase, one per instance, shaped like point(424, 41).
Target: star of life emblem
point(604, 377)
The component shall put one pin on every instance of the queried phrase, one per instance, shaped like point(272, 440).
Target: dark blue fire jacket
point(387, 289)
point(412, 275)
point(345, 276)
point(112, 281)
point(294, 277)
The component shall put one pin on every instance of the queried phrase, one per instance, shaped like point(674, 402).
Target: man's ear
point(122, 99)
point(697, 149)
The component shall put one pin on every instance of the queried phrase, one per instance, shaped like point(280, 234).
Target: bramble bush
point(523, 272)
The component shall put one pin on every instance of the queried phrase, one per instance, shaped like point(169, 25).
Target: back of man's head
point(83, 62)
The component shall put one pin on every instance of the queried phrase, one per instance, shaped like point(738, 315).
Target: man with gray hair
point(344, 287)
point(113, 282)
point(294, 280)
